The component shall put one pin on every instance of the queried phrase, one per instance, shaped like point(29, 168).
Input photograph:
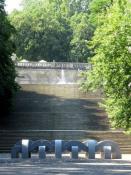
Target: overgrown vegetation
point(111, 63)
point(7, 69)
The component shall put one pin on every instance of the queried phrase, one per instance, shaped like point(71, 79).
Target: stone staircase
point(58, 112)
point(10, 137)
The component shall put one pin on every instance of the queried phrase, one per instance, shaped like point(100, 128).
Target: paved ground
point(66, 166)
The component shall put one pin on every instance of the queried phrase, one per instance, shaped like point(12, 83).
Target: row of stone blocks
point(107, 148)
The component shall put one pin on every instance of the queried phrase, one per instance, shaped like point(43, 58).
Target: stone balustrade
point(53, 65)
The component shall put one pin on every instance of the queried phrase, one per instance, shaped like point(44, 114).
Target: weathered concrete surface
point(47, 76)
point(65, 166)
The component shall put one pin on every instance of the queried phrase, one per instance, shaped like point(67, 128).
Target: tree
point(111, 64)
point(7, 69)
point(80, 51)
point(78, 6)
point(77, 12)
point(96, 11)
point(52, 30)
point(71, 7)
point(41, 32)
point(84, 23)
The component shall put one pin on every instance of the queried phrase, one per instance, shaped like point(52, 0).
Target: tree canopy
point(52, 30)
point(111, 63)
point(7, 70)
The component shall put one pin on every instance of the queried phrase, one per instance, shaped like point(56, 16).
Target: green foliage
point(7, 70)
point(41, 34)
point(81, 36)
point(97, 9)
point(48, 30)
point(111, 64)
point(78, 6)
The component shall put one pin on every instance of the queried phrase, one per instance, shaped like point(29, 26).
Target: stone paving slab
point(66, 166)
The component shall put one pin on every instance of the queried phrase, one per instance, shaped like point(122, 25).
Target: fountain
point(62, 80)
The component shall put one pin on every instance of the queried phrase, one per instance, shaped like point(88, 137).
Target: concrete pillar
point(42, 153)
point(74, 153)
point(15, 152)
point(91, 144)
point(107, 152)
point(58, 149)
point(25, 149)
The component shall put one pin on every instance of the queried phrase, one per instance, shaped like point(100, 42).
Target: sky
point(12, 4)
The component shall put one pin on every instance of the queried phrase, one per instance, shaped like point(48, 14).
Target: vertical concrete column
point(74, 153)
point(58, 149)
point(107, 152)
point(91, 144)
point(15, 152)
point(42, 153)
point(25, 149)
point(116, 154)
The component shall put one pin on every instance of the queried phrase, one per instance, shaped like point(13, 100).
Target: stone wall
point(47, 76)
point(50, 72)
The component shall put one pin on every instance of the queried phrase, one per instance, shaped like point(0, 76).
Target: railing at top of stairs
point(53, 65)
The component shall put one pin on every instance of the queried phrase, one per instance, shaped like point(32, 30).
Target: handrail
point(53, 65)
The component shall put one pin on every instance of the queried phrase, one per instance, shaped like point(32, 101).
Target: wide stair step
point(9, 138)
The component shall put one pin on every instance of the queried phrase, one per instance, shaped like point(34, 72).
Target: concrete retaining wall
point(47, 76)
